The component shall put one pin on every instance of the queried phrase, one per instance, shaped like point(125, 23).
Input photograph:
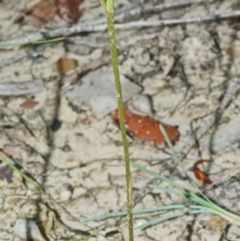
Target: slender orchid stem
point(109, 9)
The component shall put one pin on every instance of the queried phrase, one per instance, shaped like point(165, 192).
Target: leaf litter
point(200, 175)
point(45, 10)
point(29, 103)
point(63, 65)
point(146, 128)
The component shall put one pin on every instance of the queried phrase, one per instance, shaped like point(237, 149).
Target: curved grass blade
point(145, 210)
point(136, 211)
point(169, 217)
point(22, 174)
point(191, 197)
point(154, 174)
point(178, 161)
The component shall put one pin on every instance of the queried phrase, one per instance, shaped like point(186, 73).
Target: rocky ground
point(190, 74)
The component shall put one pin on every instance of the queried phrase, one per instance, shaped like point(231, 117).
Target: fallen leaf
point(43, 12)
point(200, 175)
point(217, 223)
point(40, 13)
point(69, 160)
point(29, 103)
point(68, 10)
point(13, 201)
point(147, 129)
point(63, 65)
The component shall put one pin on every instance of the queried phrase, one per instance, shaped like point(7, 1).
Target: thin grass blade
point(169, 217)
point(188, 195)
point(167, 190)
point(178, 161)
point(159, 176)
point(136, 212)
point(22, 174)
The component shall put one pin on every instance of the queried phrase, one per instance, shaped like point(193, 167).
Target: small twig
point(167, 22)
point(231, 91)
point(158, 8)
point(15, 58)
point(84, 27)
point(24, 88)
point(21, 55)
point(233, 88)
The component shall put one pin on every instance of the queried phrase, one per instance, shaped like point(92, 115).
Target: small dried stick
point(80, 28)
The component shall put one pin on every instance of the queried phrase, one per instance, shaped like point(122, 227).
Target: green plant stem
point(46, 41)
point(108, 6)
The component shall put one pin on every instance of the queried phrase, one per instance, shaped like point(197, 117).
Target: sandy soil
point(186, 70)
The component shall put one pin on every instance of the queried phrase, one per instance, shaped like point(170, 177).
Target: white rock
point(142, 105)
point(98, 92)
point(66, 192)
point(139, 222)
point(27, 229)
point(227, 135)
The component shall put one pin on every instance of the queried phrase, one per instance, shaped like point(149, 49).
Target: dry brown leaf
point(69, 160)
point(41, 13)
point(200, 175)
point(68, 10)
point(44, 11)
point(29, 104)
point(217, 223)
point(63, 65)
point(13, 201)
point(146, 128)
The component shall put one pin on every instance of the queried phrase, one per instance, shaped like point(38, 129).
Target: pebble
point(141, 104)
point(238, 34)
point(139, 222)
point(82, 50)
point(99, 93)
point(27, 229)
point(227, 136)
point(66, 192)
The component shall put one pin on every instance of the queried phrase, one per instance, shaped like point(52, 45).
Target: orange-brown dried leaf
point(200, 175)
point(63, 65)
point(68, 10)
point(40, 13)
point(147, 129)
point(29, 103)
point(217, 223)
point(69, 160)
